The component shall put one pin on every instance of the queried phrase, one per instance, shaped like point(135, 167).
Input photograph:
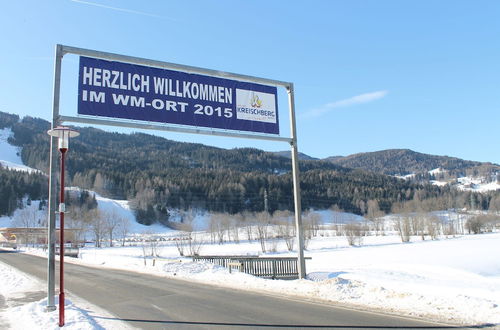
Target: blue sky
point(368, 75)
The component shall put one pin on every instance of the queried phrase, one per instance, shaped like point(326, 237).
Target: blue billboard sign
point(130, 91)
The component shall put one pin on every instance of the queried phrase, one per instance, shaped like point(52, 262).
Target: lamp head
point(63, 134)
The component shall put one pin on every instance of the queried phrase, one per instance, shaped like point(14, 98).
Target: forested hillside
point(156, 174)
point(405, 161)
point(16, 185)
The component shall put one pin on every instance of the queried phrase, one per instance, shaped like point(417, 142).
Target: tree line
point(156, 174)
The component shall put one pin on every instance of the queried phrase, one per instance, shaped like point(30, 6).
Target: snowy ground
point(16, 312)
point(455, 280)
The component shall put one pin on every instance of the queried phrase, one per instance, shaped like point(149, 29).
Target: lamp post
point(63, 134)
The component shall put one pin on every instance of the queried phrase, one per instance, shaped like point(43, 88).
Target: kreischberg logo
point(256, 101)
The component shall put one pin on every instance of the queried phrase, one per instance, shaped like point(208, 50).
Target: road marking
point(158, 308)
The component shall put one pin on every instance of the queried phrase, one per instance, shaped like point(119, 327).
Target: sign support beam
point(51, 232)
point(296, 184)
point(154, 127)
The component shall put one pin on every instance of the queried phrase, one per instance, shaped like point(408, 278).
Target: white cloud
point(130, 11)
point(355, 100)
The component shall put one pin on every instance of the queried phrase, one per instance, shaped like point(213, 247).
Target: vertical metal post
point(51, 234)
point(296, 184)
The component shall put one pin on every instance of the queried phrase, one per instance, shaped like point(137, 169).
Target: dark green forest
point(156, 174)
point(16, 185)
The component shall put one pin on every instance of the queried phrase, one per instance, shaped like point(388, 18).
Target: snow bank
point(16, 314)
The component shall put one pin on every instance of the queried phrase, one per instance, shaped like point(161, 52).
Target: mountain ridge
point(403, 162)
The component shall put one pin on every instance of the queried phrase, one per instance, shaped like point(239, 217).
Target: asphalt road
point(152, 302)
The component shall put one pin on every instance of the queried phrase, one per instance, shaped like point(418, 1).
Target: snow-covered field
point(455, 280)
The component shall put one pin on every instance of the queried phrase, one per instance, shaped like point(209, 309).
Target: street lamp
point(63, 134)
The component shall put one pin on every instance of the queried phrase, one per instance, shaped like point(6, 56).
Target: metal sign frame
point(58, 119)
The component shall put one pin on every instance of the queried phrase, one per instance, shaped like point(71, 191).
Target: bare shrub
point(354, 233)
point(433, 226)
point(482, 223)
point(219, 226)
point(311, 222)
point(150, 247)
point(285, 227)
point(195, 243)
point(181, 243)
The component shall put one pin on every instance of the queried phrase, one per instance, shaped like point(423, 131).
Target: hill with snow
point(418, 167)
point(10, 156)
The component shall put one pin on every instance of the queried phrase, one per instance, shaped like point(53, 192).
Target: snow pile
point(19, 314)
point(34, 316)
point(10, 155)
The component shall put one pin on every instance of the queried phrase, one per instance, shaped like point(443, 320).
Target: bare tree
point(78, 221)
point(495, 202)
point(417, 225)
point(311, 222)
point(262, 224)
point(183, 240)
point(97, 226)
point(111, 223)
point(403, 227)
point(180, 244)
point(433, 227)
point(235, 224)
point(195, 243)
point(286, 227)
point(374, 214)
point(249, 223)
point(28, 218)
point(222, 225)
point(149, 246)
point(123, 228)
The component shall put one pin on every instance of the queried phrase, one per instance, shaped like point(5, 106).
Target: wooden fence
point(268, 267)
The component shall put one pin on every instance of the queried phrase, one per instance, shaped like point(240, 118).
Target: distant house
point(35, 235)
